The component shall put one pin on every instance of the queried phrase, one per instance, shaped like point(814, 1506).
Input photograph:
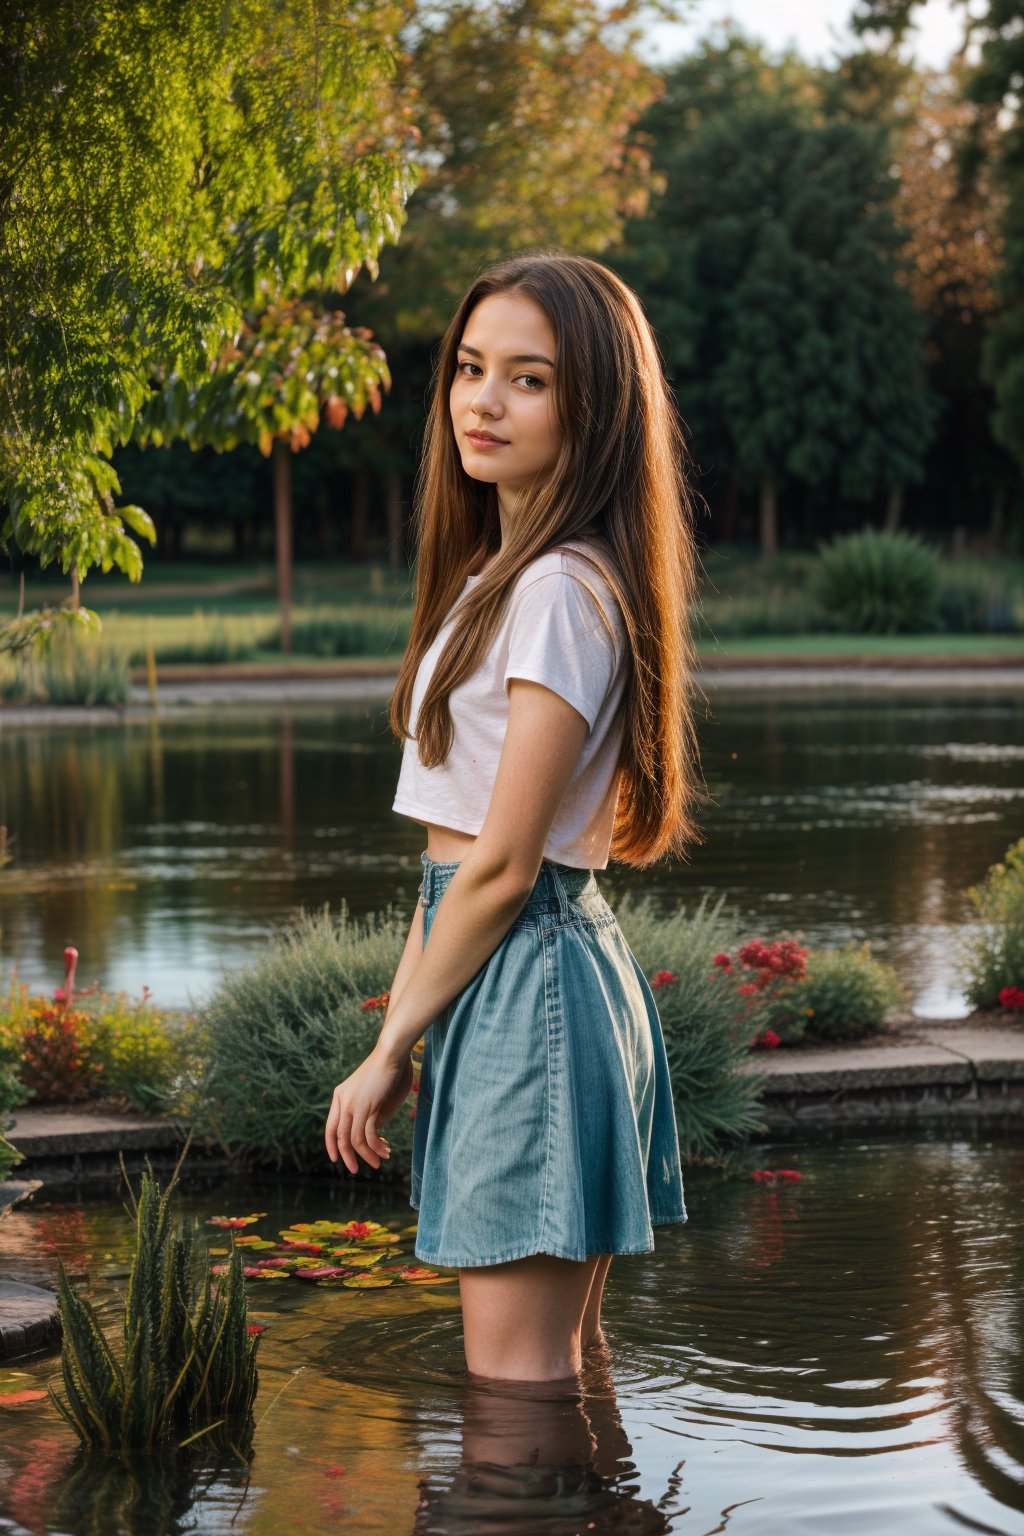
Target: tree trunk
point(393, 509)
point(894, 509)
point(283, 537)
point(360, 513)
point(21, 595)
point(75, 595)
point(731, 510)
point(769, 520)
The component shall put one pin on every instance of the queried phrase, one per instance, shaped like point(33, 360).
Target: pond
point(167, 849)
point(839, 1354)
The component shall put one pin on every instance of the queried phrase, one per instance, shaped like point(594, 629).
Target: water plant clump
point(187, 1367)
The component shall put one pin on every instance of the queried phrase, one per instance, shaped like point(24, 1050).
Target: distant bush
point(976, 599)
point(993, 956)
point(278, 1035)
point(878, 583)
point(847, 993)
point(707, 1025)
point(352, 631)
point(69, 665)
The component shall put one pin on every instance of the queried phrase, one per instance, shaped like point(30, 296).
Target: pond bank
point(183, 688)
point(917, 1071)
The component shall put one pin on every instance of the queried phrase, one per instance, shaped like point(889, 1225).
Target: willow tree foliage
point(165, 168)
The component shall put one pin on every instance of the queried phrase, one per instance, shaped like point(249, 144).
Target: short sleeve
point(558, 637)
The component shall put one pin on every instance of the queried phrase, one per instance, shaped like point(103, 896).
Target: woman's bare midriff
point(447, 845)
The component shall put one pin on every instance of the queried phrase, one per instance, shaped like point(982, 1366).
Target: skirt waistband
point(555, 886)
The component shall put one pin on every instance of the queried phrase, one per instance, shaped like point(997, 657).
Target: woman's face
point(501, 399)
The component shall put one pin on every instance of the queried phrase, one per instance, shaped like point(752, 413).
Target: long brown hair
point(619, 487)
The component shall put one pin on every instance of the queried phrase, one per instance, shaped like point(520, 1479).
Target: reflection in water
point(541, 1460)
point(841, 1355)
point(166, 849)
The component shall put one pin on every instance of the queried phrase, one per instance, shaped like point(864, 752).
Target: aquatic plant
point(992, 955)
point(348, 1253)
point(187, 1366)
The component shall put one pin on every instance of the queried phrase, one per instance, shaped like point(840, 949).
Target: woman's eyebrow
point(520, 357)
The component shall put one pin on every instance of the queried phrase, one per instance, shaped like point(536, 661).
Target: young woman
point(543, 704)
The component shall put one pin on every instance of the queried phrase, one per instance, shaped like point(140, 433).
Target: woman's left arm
point(543, 741)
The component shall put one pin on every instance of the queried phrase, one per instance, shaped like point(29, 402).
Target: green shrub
point(187, 1363)
point(8, 1157)
point(777, 611)
point(138, 1051)
point(706, 1023)
point(208, 640)
point(846, 993)
point(993, 955)
point(977, 599)
point(353, 631)
point(277, 1036)
point(878, 583)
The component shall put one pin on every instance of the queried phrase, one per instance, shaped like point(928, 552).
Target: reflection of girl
point(543, 703)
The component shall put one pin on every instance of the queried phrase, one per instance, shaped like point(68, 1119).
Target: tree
point(166, 167)
point(992, 143)
point(771, 267)
point(525, 110)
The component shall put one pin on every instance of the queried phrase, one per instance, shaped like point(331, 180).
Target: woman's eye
point(467, 364)
point(532, 380)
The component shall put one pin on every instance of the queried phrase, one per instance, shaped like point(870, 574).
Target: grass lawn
point(211, 612)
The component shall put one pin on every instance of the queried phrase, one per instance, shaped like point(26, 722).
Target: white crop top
point(552, 633)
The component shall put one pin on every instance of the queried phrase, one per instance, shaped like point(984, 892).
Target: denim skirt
point(544, 1120)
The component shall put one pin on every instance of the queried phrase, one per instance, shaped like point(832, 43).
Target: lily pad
point(367, 1282)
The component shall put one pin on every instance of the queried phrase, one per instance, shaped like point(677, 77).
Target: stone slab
point(29, 1319)
point(60, 1132)
point(997, 1055)
point(836, 1070)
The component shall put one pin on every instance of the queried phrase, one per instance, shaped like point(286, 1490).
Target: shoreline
point(185, 689)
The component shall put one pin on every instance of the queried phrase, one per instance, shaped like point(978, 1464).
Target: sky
point(818, 28)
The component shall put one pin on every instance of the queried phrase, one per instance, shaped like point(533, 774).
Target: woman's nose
point(486, 401)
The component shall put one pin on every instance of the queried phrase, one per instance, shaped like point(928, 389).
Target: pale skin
point(530, 1319)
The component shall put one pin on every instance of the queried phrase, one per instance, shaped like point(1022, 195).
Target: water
point(840, 1355)
point(168, 850)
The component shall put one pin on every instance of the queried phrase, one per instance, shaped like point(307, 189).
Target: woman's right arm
point(410, 954)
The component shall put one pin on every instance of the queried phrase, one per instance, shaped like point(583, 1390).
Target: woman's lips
point(485, 443)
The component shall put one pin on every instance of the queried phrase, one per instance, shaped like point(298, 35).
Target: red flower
point(723, 960)
point(1012, 997)
point(377, 1002)
point(767, 1040)
point(663, 979)
point(791, 1175)
point(256, 1328)
point(747, 988)
point(763, 1176)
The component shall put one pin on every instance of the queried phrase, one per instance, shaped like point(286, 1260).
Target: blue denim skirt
point(544, 1120)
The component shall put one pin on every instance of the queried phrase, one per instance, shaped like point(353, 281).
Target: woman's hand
point(367, 1098)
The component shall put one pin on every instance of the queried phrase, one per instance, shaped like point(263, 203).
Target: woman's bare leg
point(524, 1321)
point(591, 1332)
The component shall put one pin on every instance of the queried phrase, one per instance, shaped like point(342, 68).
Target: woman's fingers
point(331, 1129)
